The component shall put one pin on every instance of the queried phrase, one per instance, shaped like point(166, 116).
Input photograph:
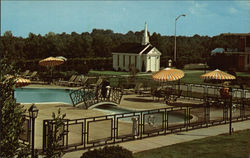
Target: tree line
point(100, 43)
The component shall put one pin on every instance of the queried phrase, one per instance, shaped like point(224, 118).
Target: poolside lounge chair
point(158, 92)
point(32, 76)
point(66, 83)
point(98, 83)
point(73, 82)
point(83, 81)
point(172, 96)
point(138, 88)
point(79, 81)
point(24, 74)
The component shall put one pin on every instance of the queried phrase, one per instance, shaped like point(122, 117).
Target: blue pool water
point(41, 95)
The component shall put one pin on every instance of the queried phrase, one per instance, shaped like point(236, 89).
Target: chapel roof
point(133, 48)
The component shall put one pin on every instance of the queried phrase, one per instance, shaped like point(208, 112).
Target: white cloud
point(232, 10)
point(197, 8)
point(243, 4)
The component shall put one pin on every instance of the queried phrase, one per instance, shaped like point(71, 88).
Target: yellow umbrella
point(51, 62)
point(168, 74)
point(218, 75)
point(19, 81)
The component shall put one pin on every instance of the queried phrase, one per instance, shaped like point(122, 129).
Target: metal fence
point(110, 129)
point(26, 133)
point(192, 91)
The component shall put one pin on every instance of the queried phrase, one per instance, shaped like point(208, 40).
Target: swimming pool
point(41, 95)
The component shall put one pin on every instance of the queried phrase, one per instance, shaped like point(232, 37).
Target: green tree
point(11, 116)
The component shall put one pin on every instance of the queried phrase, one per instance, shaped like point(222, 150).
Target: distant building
point(218, 50)
point(240, 55)
point(143, 56)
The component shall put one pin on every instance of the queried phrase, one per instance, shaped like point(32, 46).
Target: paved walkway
point(160, 141)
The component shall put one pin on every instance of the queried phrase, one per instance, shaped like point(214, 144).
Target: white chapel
point(143, 56)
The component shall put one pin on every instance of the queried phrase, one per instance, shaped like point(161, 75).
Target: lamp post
point(33, 113)
point(175, 36)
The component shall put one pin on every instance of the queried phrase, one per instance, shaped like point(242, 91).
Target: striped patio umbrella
point(51, 61)
point(62, 57)
point(218, 75)
point(168, 74)
point(19, 81)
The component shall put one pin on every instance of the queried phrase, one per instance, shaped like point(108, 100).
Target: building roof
point(218, 50)
point(132, 48)
point(236, 34)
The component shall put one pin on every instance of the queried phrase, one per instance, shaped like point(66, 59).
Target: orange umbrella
point(168, 74)
point(218, 75)
point(51, 61)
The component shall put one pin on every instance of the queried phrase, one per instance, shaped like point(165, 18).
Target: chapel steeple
point(145, 38)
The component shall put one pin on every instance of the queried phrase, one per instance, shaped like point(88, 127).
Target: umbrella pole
point(179, 85)
point(51, 74)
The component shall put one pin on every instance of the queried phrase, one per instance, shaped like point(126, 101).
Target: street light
point(175, 37)
point(33, 113)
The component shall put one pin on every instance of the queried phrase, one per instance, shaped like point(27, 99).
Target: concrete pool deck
point(131, 101)
point(46, 110)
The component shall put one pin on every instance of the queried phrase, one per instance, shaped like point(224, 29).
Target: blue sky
point(202, 17)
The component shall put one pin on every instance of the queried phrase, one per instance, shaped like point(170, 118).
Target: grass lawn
point(118, 73)
point(191, 76)
point(221, 146)
point(108, 72)
point(243, 74)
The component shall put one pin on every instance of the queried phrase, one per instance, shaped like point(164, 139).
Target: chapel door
point(153, 63)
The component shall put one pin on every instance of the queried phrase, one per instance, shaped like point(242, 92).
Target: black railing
point(86, 97)
point(102, 130)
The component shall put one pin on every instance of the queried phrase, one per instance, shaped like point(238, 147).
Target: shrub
point(108, 152)
point(11, 114)
point(55, 135)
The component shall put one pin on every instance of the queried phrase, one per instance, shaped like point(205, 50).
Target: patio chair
point(79, 80)
point(32, 76)
point(75, 81)
point(98, 83)
point(84, 81)
point(24, 74)
point(65, 83)
point(157, 92)
point(171, 98)
point(138, 88)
